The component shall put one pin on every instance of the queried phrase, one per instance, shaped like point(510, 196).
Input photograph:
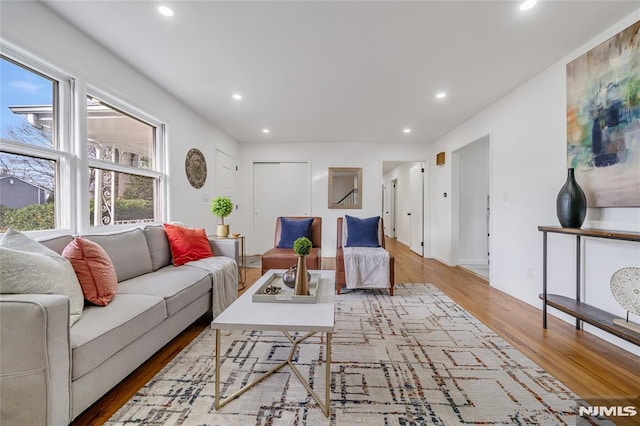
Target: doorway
point(403, 202)
point(471, 207)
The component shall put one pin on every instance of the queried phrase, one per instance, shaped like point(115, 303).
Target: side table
point(241, 259)
point(242, 266)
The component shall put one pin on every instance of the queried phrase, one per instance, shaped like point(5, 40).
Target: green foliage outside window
point(29, 218)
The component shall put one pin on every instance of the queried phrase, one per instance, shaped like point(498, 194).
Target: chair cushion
point(292, 229)
point(362, 232)
point(94, 270)
point(283, 258)
point(177, 286)
point(104, 330)
point(187, 244)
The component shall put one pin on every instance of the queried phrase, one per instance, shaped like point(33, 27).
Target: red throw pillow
point(187, 244)
point(94, 270)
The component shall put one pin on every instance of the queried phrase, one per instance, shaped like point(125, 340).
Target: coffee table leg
point(217, 385)
point(218, 403)
point(327, 384)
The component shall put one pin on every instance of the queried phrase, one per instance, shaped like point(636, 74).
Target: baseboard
point(442, 260)
point(473, 262)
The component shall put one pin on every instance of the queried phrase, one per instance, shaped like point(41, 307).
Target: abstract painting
point(603, 120)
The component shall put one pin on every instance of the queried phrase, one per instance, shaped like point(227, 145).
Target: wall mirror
point(345, 188)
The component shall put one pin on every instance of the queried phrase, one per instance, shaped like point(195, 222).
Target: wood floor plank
point(597, 371)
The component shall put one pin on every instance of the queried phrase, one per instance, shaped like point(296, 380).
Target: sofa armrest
point(226, 247)
point(35, 359)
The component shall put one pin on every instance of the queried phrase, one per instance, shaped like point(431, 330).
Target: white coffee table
point(244, 314)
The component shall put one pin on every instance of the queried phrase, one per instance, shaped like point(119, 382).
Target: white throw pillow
point(28, 267)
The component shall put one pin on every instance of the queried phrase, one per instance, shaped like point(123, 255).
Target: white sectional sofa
point(50, 372)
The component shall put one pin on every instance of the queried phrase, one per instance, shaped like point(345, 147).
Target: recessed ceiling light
point(237, 96)
point(441, 95)
point(406, 130)
point(165, 10)
point(528, 4)
point(265, 131)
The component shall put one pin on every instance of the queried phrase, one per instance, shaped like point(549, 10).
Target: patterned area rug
point(411, 359)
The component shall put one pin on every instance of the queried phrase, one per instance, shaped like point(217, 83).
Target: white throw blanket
point(224, 275)
point(366, 267)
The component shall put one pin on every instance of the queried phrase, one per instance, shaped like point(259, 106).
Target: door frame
point(455, 201)
point(425, 197)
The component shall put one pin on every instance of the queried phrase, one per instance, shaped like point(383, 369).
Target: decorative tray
point(285, 294)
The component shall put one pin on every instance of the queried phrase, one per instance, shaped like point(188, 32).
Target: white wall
point(528, 137)
point(321, 157)
point(34, 29)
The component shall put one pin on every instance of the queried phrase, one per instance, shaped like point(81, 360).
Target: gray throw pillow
point(28, 267)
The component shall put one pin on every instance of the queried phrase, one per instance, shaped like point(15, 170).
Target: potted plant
point(302, 247)
point(222, 207)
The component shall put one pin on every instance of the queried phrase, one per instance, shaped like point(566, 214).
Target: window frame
point(157, 171)
point(62, 135)
point(70, 153)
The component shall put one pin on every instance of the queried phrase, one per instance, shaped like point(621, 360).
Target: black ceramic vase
point(571, 204)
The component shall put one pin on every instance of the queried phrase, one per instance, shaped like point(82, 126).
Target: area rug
point(412, 359)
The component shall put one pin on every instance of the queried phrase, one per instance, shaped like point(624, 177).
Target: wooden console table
point(574, 307)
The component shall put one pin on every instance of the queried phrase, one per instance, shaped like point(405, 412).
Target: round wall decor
point(196, 168)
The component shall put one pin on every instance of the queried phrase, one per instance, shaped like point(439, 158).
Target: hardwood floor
point(597, 371)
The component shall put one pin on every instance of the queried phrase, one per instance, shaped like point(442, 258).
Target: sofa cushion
point(177, 286)
point(292, 229)
point(158, 246)
point(187, 244)
point(94, 270)
point(104, 330)
point(30, 267)
point(127, 250)
point(57, 243)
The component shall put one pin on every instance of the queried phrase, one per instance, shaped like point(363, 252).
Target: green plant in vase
point(222, 207)
point(302, 247)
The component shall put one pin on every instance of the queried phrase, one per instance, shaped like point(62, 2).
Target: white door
point(279, 189)
point(225, 178)
point(393, 209)
point(386, 210)
point(416, 189)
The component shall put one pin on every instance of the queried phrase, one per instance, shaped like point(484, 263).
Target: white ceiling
point(338, 71)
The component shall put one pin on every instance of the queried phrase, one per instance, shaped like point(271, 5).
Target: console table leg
point(578, 255)
point(544, 280)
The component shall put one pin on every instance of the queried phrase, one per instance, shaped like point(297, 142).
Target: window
point(52, 178)
point(123, 178)
point(31, 150)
